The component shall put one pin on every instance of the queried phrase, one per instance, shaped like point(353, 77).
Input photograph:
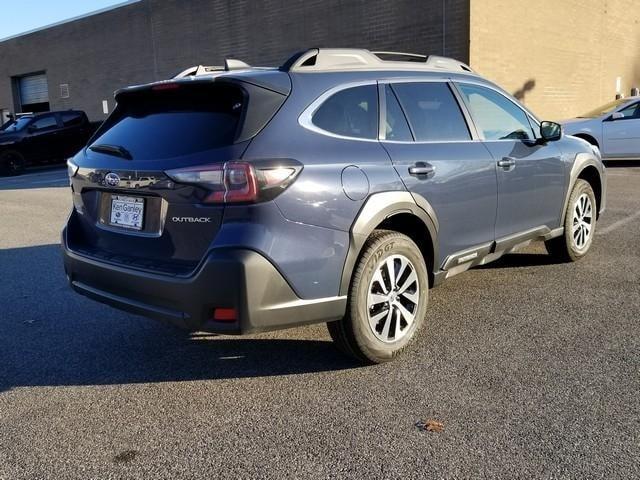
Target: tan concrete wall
point(561, 57)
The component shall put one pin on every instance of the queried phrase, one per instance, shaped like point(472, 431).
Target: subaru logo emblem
point(112, 179)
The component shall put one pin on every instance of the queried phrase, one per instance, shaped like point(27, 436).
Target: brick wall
point(94, 56)
point(155, 39)
point(561, 57)
point(267, 31)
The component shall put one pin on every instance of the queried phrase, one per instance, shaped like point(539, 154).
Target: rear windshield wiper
point(115, 150)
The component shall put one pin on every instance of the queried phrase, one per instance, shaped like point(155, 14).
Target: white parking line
point(618, 224)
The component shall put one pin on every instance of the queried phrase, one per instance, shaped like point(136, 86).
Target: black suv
point(39, 138)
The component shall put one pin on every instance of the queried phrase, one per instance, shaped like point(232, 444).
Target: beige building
point(561, 57)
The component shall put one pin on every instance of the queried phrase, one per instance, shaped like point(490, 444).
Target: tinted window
point(44, 123)
point(434, 113)
point(171, 123)
point(497, 117)
point(70, 119)
point(17, 125)
point(396, 126)
point(351, 113)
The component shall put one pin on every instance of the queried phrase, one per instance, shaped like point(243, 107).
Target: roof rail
point(413, 57)
point(229, 65)
point(336, 59)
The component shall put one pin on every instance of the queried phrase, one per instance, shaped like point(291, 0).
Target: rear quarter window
point(352, 112)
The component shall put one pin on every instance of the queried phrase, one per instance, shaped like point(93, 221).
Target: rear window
point(173, 122)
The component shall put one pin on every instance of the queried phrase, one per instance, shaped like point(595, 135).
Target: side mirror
point(550, 131)
point(616, 116)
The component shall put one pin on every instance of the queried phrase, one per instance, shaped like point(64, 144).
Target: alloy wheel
point(582, 225)
point(394, 295)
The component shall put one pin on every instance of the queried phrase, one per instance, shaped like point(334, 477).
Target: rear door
point(439, 159)
point(42, 141)
point(621, 136)
point(530, 174)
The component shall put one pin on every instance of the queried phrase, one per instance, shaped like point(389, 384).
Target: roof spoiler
point(230, 64)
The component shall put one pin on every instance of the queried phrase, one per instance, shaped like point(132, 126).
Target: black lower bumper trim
point(234, 278)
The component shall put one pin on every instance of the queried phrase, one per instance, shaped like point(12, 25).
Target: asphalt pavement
point(533, 368)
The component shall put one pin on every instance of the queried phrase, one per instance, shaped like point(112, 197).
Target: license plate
point(127, 212)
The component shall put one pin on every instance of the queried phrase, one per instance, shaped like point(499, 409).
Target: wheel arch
point(397, 211)
point(588, 137)
point(592, 176)
point(587, 167)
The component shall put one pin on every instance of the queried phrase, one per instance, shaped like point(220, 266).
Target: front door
point(621, 136)
point(439, 160)
point(530, 173)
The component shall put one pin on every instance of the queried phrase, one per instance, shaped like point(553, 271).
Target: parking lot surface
point(533, 368)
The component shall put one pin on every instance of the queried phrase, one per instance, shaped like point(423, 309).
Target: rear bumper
point(227, 278)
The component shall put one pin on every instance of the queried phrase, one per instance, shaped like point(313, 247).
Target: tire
point(11, 163)
point(382, 340)
point(579, 225)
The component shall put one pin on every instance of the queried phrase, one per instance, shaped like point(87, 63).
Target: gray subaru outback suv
point(337, 188)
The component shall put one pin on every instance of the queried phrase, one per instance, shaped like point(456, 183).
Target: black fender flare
point(374, 211)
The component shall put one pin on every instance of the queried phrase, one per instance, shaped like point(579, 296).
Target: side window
point(434, 113)
point(497, 117)
point(632, 111)
point(71, 119)
point(396, 126)
point(352, 112)
point(44, 123)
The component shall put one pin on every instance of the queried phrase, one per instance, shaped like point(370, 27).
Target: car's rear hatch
point(127, 209)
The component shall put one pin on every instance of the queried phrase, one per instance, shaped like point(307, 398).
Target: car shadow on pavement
point(50, 336)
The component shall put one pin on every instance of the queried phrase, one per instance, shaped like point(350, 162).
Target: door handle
point(507, 163)
point(421, 169)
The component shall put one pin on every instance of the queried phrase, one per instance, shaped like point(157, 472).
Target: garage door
point(34, 89)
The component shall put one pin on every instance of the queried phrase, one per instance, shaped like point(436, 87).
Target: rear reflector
point(225, 315)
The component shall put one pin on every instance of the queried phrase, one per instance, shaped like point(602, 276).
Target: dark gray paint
point(313, 232)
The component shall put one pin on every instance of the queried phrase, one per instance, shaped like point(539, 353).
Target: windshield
point(16, 125)
point(604, 109)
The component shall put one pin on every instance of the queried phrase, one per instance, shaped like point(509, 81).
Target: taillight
point(239, 182)
point(72, 168)
point(165, 86)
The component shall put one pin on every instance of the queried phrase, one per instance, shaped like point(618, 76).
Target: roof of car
point(316, 60)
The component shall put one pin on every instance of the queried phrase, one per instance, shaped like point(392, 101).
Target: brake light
point(237, 182)
point(72, 168)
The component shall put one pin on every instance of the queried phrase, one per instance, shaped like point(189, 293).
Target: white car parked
point(614, 128)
